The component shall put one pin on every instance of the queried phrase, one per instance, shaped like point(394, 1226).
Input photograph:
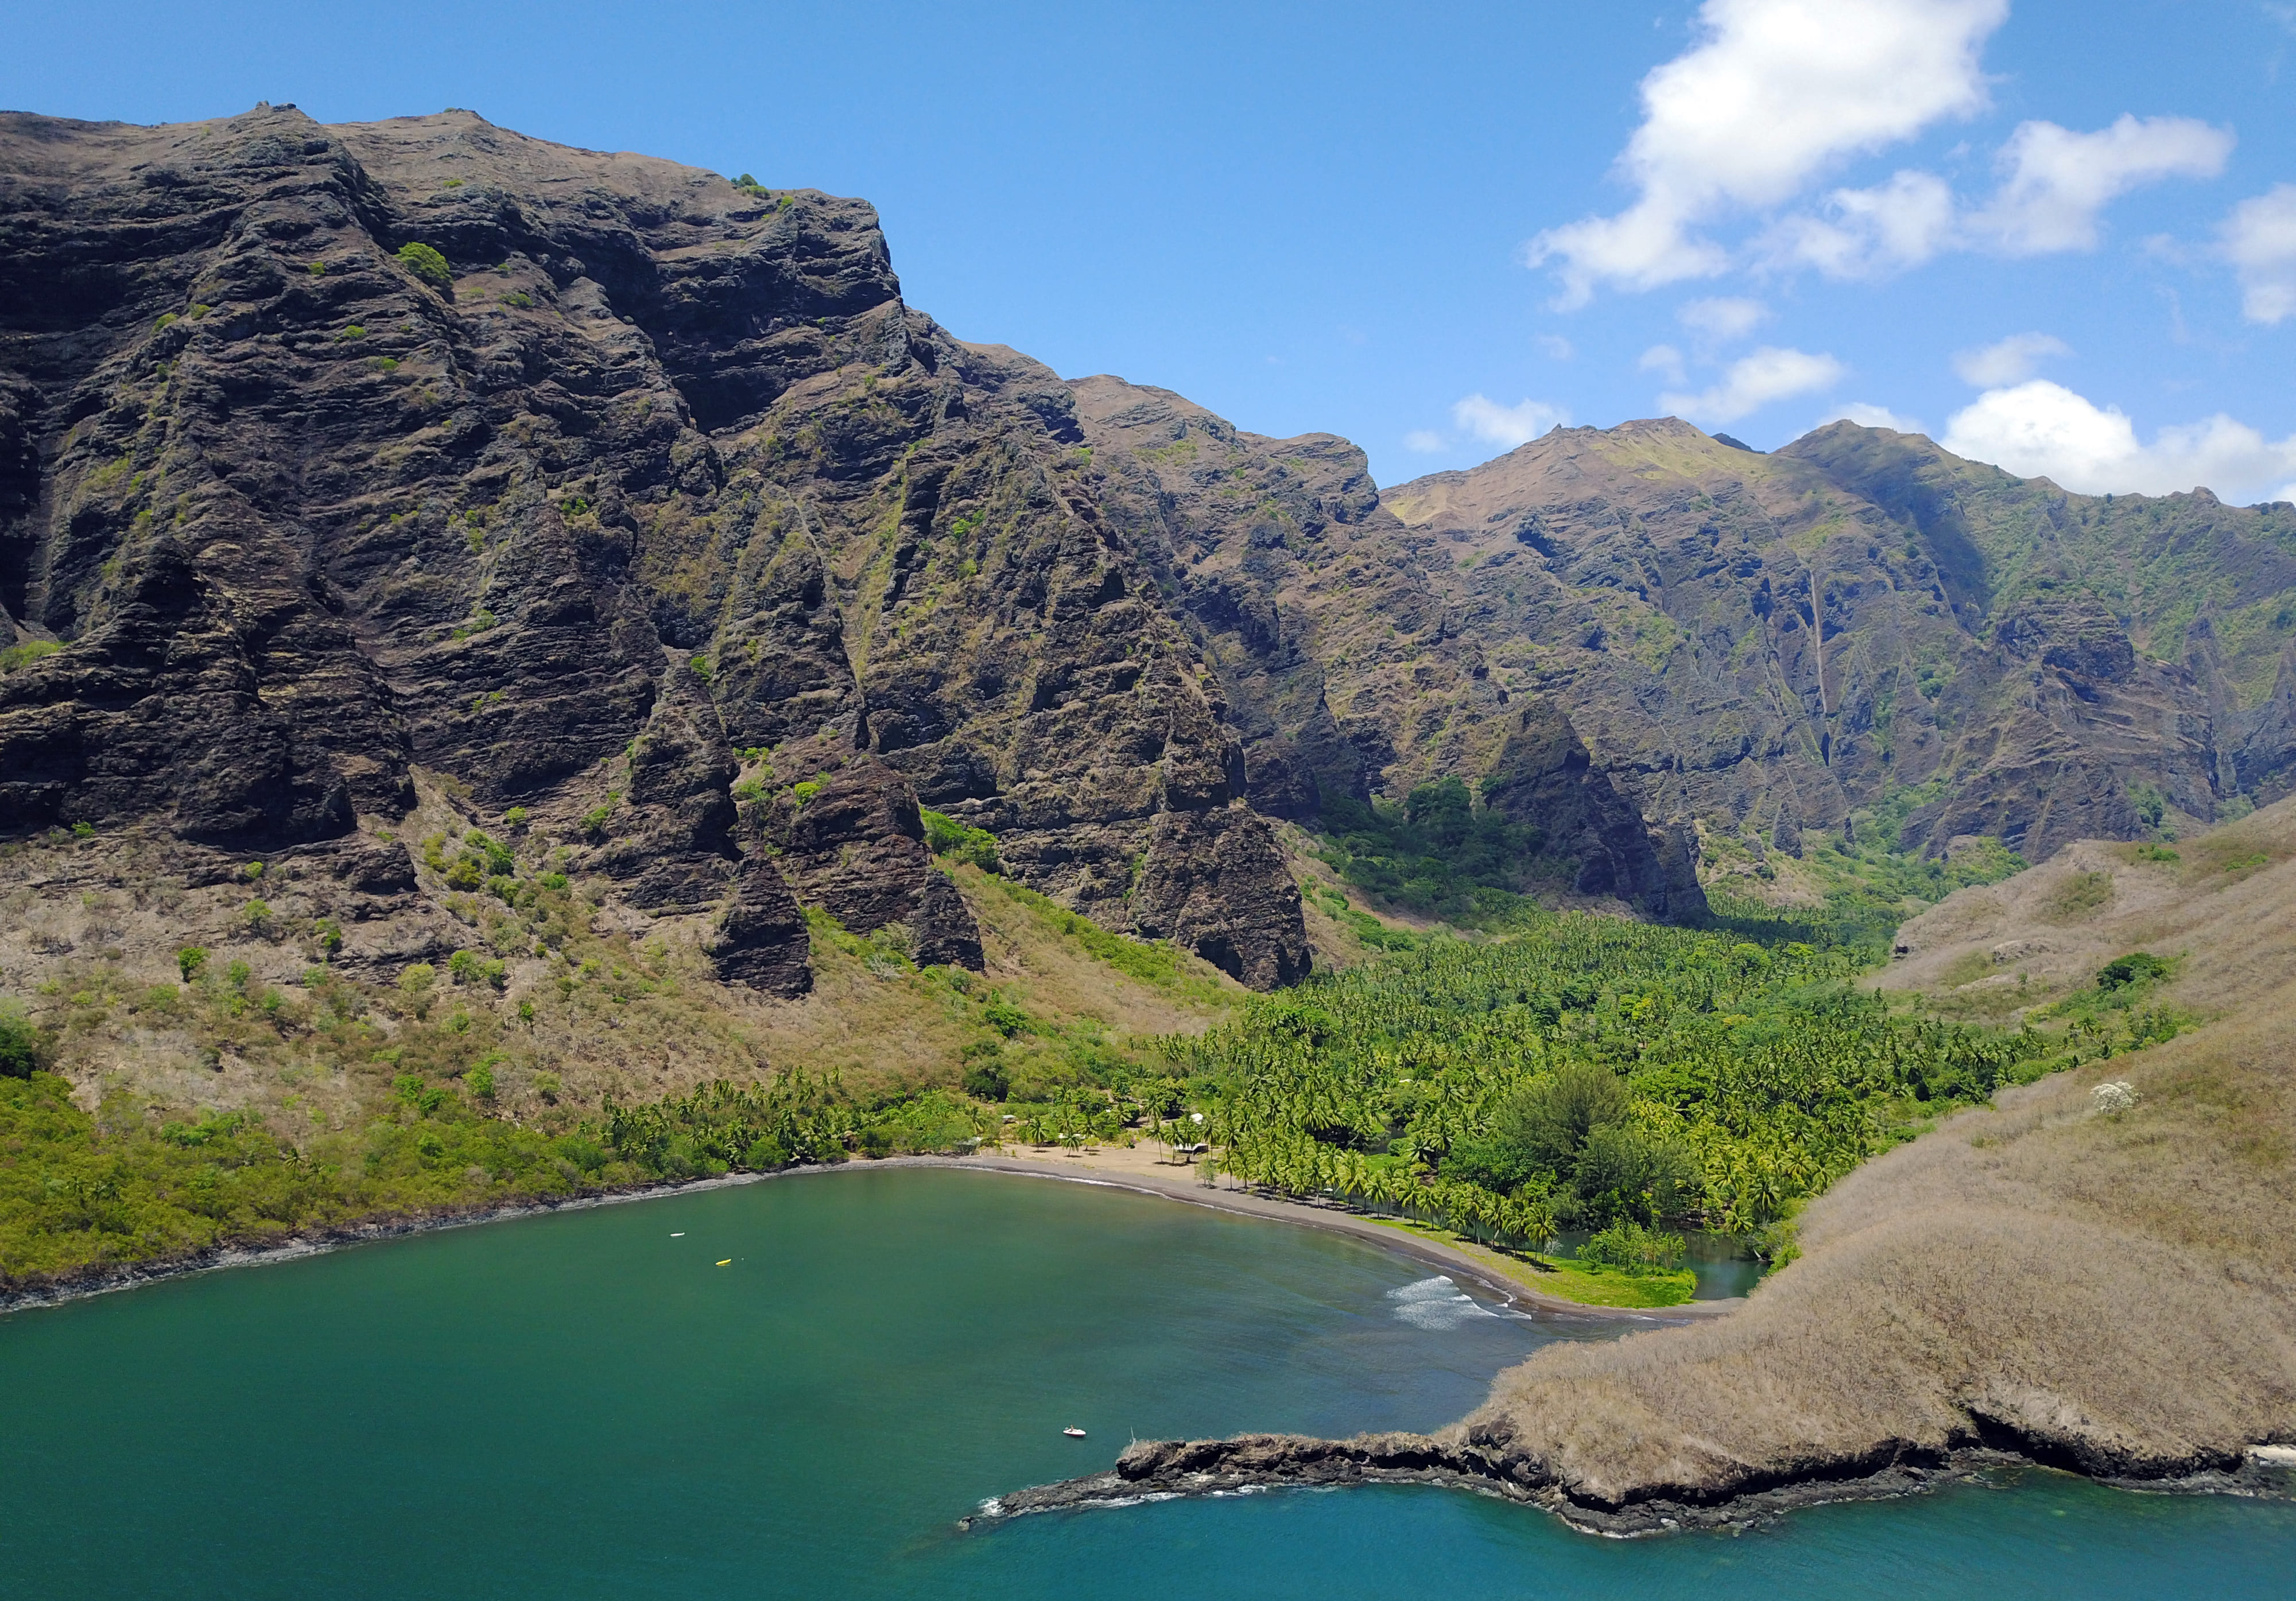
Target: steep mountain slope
point(1343, 659)
point(1761, 640)
point(598, 486)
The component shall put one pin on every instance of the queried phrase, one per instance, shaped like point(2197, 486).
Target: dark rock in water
point(856, 848)
point(760, 938)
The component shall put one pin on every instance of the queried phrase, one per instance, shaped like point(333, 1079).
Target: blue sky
point(2060, 236)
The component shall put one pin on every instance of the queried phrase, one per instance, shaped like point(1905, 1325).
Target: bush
point(426, 263)
point(26, 653)
point(1631, 1248)
point(1500, 1166)
point(2138, 966)
point(21, 1048)
point(190, 959)
point(960, 842)
point(987, 1080)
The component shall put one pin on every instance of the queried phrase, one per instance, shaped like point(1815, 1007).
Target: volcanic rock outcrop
point(592, 485)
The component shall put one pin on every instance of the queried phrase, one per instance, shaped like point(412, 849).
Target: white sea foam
point(1435, 1303)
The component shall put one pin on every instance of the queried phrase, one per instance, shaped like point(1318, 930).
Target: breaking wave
point(1435, 1303)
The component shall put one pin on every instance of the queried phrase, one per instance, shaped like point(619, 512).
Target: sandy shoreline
point(1115, 1167)
point(1140, 1175)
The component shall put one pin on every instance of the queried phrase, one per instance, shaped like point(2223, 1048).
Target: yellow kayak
point(724, 1263)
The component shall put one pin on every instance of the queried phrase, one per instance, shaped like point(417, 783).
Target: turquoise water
point(582, 1405)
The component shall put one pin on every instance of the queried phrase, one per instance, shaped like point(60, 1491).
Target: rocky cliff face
point(609, 489)
point(1767, 642)
point(1340, 650)
point(629, 490)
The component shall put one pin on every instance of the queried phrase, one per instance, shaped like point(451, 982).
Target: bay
point(588, 1404)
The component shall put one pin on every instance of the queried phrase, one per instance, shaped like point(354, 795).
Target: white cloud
point(1665, 361)
point(1870, 416)
point(1555, 347)
point(1425, 441)
point(2259, 239)
point(1509, 425)
point(1868, 233)
point(1753, 381)
point(2007, 361)
point(1775, 92)
point(2041, 430)
point(2057, 181)
point(1722, 319)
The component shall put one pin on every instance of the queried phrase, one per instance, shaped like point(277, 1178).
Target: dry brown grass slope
point(2112, 1292)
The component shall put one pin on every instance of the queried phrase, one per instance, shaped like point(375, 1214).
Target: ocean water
point(588, 1405)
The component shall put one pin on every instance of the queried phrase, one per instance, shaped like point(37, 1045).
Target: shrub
point(426, 263)
point(960, 842)
point(1631, 1248)
point(594, 822)
point(481, 1080)
point(515, 818)
point(2138, 966)
point(26, 653)
point(190, 959)
point(986, 1080)
point(464, 965)
point(258, 915)
point(329, 935)
point(22, 1052)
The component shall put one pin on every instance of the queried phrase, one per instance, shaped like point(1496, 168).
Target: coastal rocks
point(1173, 1467)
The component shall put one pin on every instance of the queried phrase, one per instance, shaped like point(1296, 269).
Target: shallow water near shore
point(586, 1404)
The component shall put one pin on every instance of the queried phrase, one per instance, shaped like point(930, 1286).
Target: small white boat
point(1073, 1434)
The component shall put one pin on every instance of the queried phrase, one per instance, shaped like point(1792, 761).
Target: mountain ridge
point(640, 499)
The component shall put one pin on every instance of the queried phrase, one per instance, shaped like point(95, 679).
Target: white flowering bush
point(2116, 1095)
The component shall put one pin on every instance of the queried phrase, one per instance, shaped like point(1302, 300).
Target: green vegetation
point(1437, 853)
point(1586, 1070)
point(21, 1049)
point(1628, 1247)
point(2138, 966)
point(960, 841)
point(24, 654)
point(425, 263)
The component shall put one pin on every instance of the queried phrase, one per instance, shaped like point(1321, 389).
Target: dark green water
point(583, 1406)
